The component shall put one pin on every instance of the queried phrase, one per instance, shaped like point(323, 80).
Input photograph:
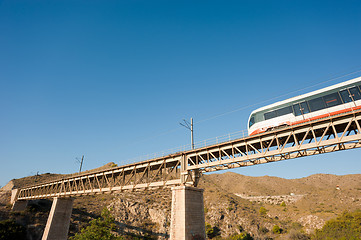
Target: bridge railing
point(200, 144)
point(204, 143)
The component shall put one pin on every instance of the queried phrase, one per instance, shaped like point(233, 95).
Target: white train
point(332, 100)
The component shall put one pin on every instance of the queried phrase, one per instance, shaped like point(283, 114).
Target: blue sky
point(111, 80)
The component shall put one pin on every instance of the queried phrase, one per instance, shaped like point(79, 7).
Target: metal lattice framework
point(147, 174)
point(331, 134)
point(322, 136)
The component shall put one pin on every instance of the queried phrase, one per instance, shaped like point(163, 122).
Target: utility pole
point(189, 126)
point(81, 162)
point(192, 137)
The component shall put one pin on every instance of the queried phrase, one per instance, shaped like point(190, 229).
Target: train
point(336, 99)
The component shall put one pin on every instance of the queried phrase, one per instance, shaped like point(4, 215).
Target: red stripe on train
point(313, 118)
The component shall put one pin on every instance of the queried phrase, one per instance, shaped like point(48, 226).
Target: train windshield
point(251, 121)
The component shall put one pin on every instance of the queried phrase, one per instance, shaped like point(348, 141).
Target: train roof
point(299, 97)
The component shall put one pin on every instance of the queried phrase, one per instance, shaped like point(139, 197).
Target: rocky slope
point(294, 205)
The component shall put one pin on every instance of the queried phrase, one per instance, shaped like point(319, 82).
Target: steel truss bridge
point(325, 135)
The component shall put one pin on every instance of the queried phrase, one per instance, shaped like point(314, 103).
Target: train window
point(332, 99)
point(270, 115)
point(251, 121)
point(304, 107)
point(316, 104)
point(297, 109)
point(355, 93)
point(283, 111)
point(301, 108)
point(345, 95)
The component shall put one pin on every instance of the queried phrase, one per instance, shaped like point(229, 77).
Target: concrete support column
point(57, 227)
point(187, 217)
point(14, 195)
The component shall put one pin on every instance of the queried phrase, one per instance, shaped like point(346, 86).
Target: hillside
point(305, 203)
point(233, 203)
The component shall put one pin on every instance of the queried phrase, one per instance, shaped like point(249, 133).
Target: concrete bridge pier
point(57, 226)
point(187, 217)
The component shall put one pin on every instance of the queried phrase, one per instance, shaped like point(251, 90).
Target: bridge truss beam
point(148, 174)
point(331, 134)
point(324, 136)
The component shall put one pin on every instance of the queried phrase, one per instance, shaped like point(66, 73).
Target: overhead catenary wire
point(249, 106)
point(274, 98)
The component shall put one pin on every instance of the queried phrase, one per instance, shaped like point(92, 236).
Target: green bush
point(283, 204)
point(263, 211)
point(276, 229)
point(99, 229)
point(211, 231)
point(347, 226)
point(9, 229)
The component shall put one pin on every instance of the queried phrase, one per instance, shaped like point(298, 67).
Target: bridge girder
point(323, 136)
point(326, 135)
